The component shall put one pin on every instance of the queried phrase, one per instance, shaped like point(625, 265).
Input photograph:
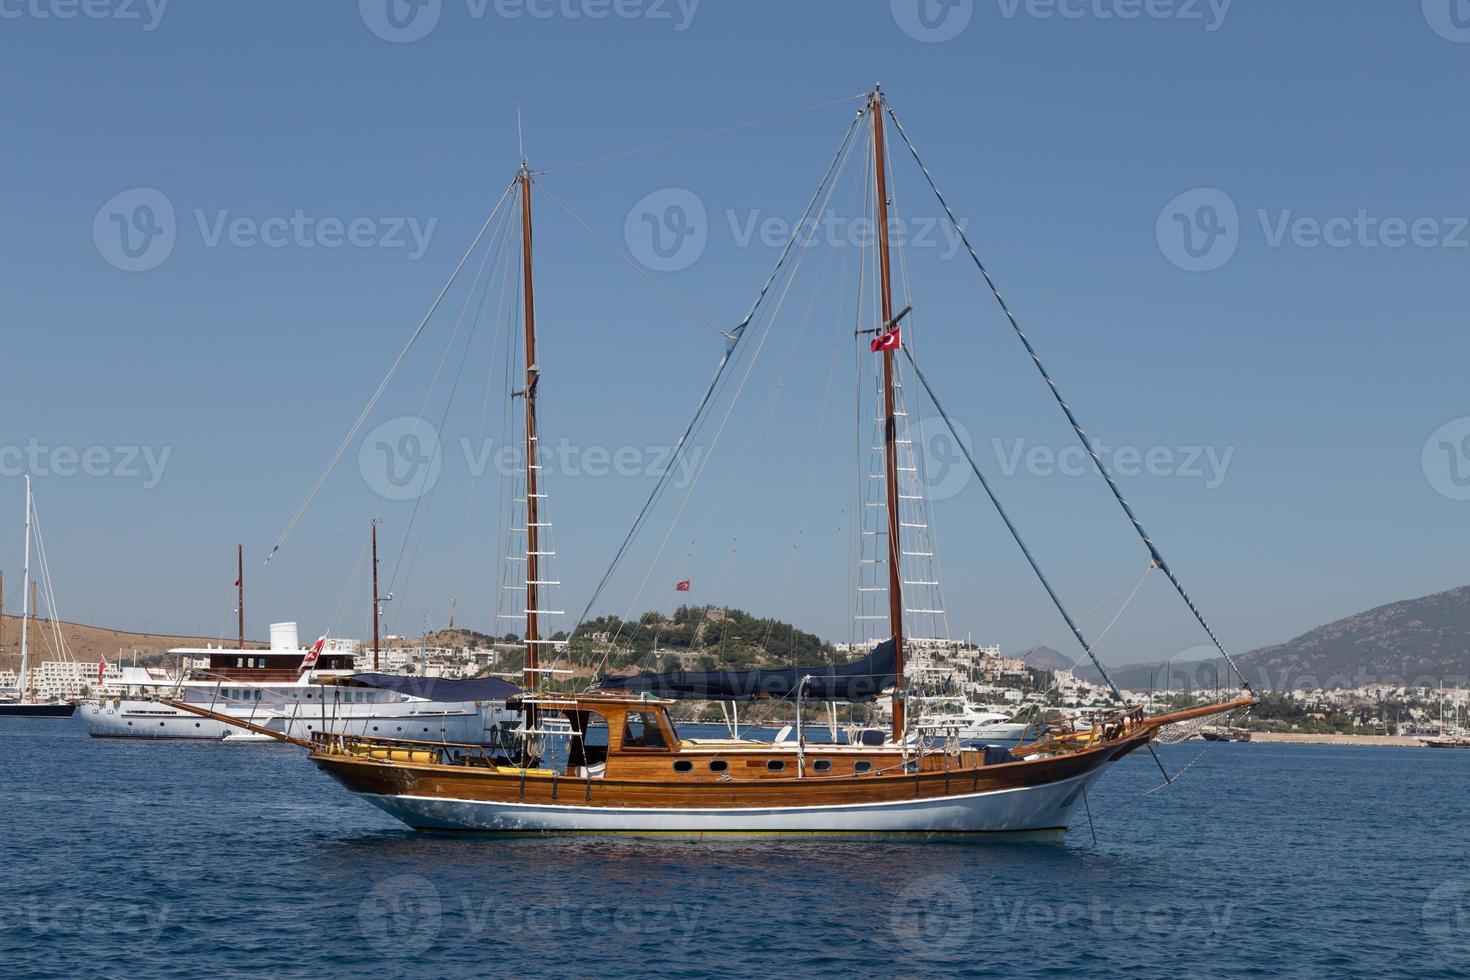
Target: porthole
point(861, 766)
point(196, 724)
point(822, 765)
point(719, 765)
point(163, 724)
point(683, 765)
point(776, 765)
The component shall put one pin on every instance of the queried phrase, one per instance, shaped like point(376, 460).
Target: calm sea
point(132, 859)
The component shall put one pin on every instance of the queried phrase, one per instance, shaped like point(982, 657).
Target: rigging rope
point(1056, 600)
point(1066, 410)
point(382, 386)
point(704, 402)
point(1010, 526)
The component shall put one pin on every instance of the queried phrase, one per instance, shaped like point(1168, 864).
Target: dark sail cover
point(861, 680)
point(437, 688)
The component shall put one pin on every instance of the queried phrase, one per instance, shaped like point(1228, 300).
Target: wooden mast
point(531, 675)
point(240, 590)
point(377, 605)
point(890, 424)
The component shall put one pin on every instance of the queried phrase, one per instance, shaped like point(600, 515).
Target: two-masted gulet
point(609, 759)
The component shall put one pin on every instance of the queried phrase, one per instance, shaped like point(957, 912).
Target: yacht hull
point(137, 718)
point(1033, 813)
point(13, 710)
point(1033, 798)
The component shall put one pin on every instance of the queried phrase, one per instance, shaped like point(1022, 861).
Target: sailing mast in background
point(240, 590)
point(890, 420)
point(26, 603)
point(377, 603)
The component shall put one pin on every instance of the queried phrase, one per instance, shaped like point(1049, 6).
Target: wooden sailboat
point(610, 759)
point(24, 705)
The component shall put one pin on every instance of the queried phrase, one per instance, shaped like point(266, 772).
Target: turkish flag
point(313, 655)
point(682, 586)
point(100, 668)
point(886, 341)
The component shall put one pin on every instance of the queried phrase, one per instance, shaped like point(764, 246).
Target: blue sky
point(1296, 362)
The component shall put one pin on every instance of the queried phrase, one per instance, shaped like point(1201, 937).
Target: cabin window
point(776, 765)
point(683, 765)
point(719, 765)
point(862, 766)
point(822, 765)
point(641, 731)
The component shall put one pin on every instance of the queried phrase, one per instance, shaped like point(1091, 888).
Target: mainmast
point(532, 674)
point(23, 682)
point(890, 421)
point(377, 604)
point(240, 590)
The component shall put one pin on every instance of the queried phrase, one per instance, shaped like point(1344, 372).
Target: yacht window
point(862, 766)
point(683, 765)
point(641, 731)
point(822, 765)
point(776, 765)
point(719, 765)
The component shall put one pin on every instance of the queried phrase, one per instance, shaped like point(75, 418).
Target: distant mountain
point(1416, 642)
point(1045, 658)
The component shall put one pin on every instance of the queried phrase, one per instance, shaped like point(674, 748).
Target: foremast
point(890, 418)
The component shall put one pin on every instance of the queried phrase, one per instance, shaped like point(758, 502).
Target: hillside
point(1416, 642)
point(91, 643)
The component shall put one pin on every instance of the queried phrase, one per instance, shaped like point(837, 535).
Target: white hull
point(1038, 812)
point(424, 721)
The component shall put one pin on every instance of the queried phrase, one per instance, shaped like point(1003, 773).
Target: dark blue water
point(135, 859)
